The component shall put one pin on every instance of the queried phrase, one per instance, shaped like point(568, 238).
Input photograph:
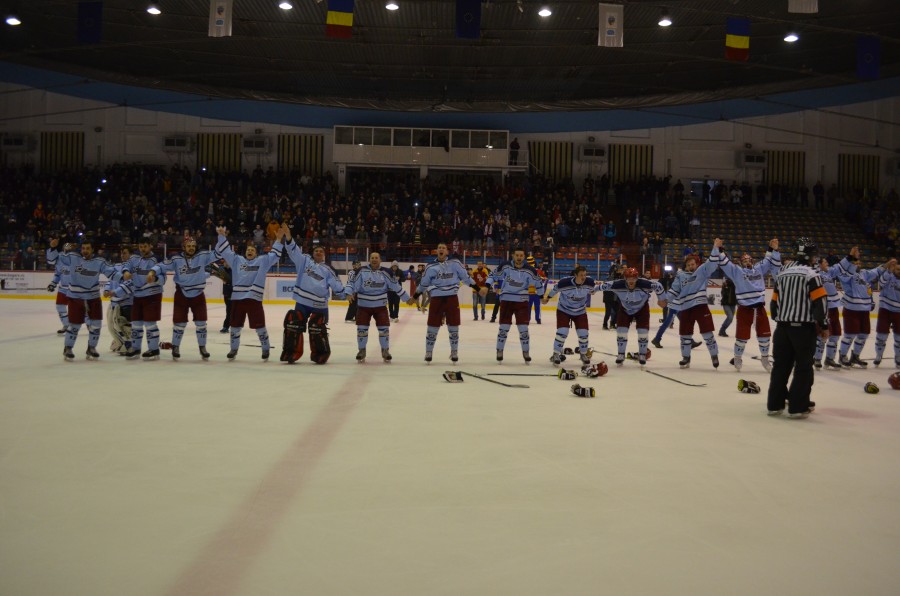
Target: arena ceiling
point(411, 58)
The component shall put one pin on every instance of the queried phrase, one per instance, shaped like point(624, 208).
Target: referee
point(800, 307)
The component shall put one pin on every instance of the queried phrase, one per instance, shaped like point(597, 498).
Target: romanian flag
point(339, 22)
point(737, 39)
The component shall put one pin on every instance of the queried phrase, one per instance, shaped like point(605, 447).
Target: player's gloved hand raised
point(51, 287)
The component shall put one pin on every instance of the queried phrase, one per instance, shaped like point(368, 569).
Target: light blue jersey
point(855, 283)
point(750, 282)
point(828, 278)
point(85, 273)
point(634, 299)
point(190, 272)
point(139, 267)
point(573, 297)
point(371, 287)
point(314, 280)
point(248, 277)
point(689, 289)
point(890, 292)
point(442, 278)
point(516, 281)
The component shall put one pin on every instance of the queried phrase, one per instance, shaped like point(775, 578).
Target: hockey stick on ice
point(493, 381)
point(676, 380)
point(520, 375)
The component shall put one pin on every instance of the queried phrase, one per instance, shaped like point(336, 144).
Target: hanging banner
point(220, 18)
point(611, 34)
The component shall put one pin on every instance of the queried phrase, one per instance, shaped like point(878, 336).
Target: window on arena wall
point(499, 139)
point(480, 139)
point(343, 135)
point(402, 137)
point(362, 136)
point(381, 136)
point(460, 139)
point(422, 137)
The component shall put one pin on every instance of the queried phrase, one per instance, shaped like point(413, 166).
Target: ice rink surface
point(249, 478)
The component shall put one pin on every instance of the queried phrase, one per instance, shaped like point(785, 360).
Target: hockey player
point(146, 311)
point(517, 278)
point(828, 274)
point(441, 279)
point(571, 309)
point(857, 303)
point(118, 317)
point(888, 313)
point(688, 292)
point(84, 294)
point(248, 276)
point(60, 284)
point(316, 280)
point(633, 294)
point(350, 317)
point(750, 289)
point(369, 288)
point(190, 272)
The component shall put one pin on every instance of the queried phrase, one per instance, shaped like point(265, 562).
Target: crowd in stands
point(393, 212)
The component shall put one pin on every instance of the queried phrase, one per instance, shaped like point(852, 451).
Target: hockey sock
point(831, 346)
point(236, 338)
point(201, 333)
point(621, 339)
point(72, 334)
point(764, 344)
point(137, 335)
point(880, 344)
point(430, 338)
point(263, 335)
point(560, 340)
point(152, 335)
point(384, 337)
point(686, 342)
point(454, 337)
point(178, 333)
point(710, 338)
point(524, 338)
point(859, 343)
point(502, 333)
point(362, 337)
point(63, 312)
point(846, 340)
point(642, 341)
point(820, 348)
point(739, 346)
point(582, 340)
point(93, 334)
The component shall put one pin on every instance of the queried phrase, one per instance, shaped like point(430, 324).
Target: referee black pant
point(793, 348)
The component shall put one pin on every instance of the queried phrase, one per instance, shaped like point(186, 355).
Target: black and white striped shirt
point(797, 289)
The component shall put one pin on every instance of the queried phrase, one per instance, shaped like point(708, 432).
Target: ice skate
point(527, 357)
point(737, 363)
point(696, 344)
point(856, 361)
point(642, 360)
point(830, 364)
point(386, 355)
point(265, 354)
point(656, 344)
point(620, 359)
point(203, 353)
point(428, 357)
point(499, 355)
point(361, 356)
point(150, 355)
point(556, 359)
point(232, 355)
point(776, 412)
point(132, 355)
point(715, 361)
point(176, 352)
point(68, 356)
point(766, 362)
point(818, 364)
point(685, 362)
point(91, 354)
point(585, 359)
point(454, 356)
point(61, 331)
point(876, 362)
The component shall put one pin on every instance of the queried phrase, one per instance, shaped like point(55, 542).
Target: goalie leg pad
point(292, 341)
point(319, 348)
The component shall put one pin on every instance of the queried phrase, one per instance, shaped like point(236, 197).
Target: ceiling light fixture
point(13, 20)
point(392, 6)
point(154, 9)
point(285, 6)
point(791, 37)
point(545, 12)
point(664, 19)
